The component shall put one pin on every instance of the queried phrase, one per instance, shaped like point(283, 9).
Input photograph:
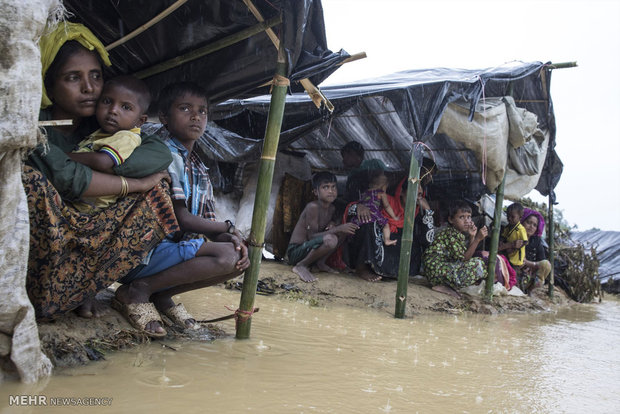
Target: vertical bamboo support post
point(261, 201)
point(407, 238)
point(497, 222)
point(550, 231)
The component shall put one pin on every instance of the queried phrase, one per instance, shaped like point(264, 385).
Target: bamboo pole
point(497, 222)
point(353, 58)
point(550, 231)
point(210, 48)
point(146, 25)
point(562, 65)
point(56, 122)
point(261, 201)
point(407, 238)
point(315, 93)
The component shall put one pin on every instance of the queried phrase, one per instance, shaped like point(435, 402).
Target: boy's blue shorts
point(166, 254)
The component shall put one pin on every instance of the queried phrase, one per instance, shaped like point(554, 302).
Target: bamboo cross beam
point(353, 58)
point(562, 65)
point(146, 25)
point(315, 93)
point(56, 122)
point(210, 48)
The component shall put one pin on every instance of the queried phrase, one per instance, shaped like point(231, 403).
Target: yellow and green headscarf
point(51, 43)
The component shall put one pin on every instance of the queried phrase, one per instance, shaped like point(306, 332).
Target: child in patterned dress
point(376, 199)
point(448, 262)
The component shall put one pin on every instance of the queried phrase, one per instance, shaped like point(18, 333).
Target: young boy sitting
point(315, 235)
point(121, 111)
point(514, 236)
point(184, 261)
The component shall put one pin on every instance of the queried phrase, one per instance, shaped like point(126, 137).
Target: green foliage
point(580, 273)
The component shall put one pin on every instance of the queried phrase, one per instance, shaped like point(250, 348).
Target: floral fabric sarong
point(73, 255)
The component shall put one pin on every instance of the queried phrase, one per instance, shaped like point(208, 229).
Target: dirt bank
point(72, 340)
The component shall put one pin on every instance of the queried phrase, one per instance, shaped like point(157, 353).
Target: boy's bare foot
point(447, 290)
point(390, 242)
point(368, 275)
point(324, 268)
point(304, 273)
point(91, 308)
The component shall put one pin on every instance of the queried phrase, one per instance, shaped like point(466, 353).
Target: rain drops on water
point(387, 408)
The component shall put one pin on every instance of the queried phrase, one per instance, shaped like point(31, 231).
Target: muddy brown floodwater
point(304, 359)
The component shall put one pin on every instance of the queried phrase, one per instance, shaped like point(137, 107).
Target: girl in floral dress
point(448, 262)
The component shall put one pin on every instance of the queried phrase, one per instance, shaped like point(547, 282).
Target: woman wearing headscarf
point(73, 255)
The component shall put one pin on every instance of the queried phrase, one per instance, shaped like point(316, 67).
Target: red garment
point(511, 272)
point(399, 210)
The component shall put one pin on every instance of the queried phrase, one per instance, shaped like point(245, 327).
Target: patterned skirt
point(73, 255)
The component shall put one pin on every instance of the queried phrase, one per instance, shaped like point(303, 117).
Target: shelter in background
point(476, 124)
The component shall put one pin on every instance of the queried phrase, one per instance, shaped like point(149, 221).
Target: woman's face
point(77, 86)
point(531, 225)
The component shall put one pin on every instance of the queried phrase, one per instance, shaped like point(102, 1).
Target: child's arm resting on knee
point(214, 230)
point(195, 224)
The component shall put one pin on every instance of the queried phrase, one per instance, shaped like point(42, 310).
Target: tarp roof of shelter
point(388, 114)
point(237, 70)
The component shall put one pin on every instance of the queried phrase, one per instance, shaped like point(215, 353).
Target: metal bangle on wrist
point(231, 227)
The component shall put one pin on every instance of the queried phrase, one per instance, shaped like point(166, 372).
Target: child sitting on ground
point(448, 262)
point(184, 261)
point(536, 266)
point(316, 236)
point(376, 199)
point(121, 111)
point(514, 237)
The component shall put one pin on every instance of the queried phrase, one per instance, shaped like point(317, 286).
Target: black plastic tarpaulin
point(388, 114)
point(237, 70)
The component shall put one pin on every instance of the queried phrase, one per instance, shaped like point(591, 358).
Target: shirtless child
point(316, 235)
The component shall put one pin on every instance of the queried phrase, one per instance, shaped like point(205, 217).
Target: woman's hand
point(146, 183)
point(363, 213)
point(423, 203)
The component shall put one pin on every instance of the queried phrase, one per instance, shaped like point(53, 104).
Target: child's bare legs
point(214, 263)
point(318, 255)
point(386, 236)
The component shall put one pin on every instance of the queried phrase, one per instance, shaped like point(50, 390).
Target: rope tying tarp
point(279, 80)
